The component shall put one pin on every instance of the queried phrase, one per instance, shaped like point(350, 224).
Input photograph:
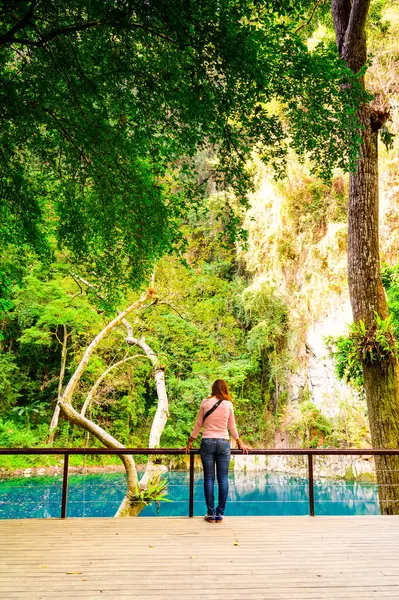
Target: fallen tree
point(138, 493)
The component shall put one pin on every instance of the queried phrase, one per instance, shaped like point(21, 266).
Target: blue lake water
point(250, 494)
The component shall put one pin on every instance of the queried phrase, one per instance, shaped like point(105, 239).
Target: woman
point(215, 415)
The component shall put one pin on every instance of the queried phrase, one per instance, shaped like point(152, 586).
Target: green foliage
point(10, 384)
point(46, 306)
point(206, 324)
point(210, 337)
point(155, 492)
point(5, 286)
point(105, 105)
point(311, 203)
point(350, 427)
point(266, 315)
point(44, 301)
point(387, 137)
point(311, 426)
point(376, 344)
point(13, 435)
point(348, 367)
point(363, 346)
point(390, 280)
point(380, 342)
point(26, 411)
point(377, 23)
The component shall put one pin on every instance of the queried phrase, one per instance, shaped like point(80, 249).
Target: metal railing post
point(311, 485)
point(191, 493)
point(64, 487)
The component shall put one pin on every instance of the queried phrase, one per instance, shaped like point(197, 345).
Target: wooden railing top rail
point(180, 451)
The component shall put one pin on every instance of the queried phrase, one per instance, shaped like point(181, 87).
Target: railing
point(309, 452)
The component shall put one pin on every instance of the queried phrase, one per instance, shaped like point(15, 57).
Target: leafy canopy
point(105, 104)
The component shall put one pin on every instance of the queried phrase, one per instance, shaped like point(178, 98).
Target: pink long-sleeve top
point(216, 424)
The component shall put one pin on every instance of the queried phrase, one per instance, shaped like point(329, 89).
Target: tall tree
point(365, 286)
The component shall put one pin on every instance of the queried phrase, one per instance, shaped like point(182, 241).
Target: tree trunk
point(381, 386)
point(65, 403)
point(126, 508)
point(161, 416)
point(365, 286)
point(367, 298)
point(56, 414)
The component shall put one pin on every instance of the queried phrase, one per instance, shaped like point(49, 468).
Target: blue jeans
point(215, 452)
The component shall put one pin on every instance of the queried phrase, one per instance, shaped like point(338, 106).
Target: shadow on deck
point(268, 558)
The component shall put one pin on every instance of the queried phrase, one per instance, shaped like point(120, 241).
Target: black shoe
point(210, 518)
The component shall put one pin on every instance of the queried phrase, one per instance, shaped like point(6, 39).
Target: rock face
point(303, 256)
point(326, 391)
point(323, 466)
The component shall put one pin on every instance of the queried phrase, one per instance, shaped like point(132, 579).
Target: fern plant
point(363, 346)
point(376, 344)
point(155, 492)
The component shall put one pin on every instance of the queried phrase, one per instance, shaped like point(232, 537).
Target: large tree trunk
point(367, 298)
point(365, 286)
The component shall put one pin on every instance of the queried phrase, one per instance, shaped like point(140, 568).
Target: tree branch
point(341, 12)
point(77, 278)
point(103, 436)
point(50, 35)
point(94, 388)
point(80, 287)
point(162, 412)
point(20, 25)
point(163, 302)
point(232, 143)
point(311, 16)
point(56, 414)
point(70, 388)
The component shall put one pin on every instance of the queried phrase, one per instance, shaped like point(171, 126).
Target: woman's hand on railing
point(189, 444)
point(243, 447)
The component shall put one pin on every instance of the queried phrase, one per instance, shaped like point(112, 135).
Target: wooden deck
point(169, 558)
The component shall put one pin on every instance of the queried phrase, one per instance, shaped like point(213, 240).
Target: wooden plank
point(268, 558)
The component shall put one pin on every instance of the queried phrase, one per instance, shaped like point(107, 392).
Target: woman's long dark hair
point(220, 390)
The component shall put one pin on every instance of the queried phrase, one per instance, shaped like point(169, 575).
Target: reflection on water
point(259, 493)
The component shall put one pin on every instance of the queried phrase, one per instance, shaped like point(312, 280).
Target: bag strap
point(214, 407)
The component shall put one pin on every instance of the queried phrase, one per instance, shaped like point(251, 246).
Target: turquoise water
point(260, 493)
